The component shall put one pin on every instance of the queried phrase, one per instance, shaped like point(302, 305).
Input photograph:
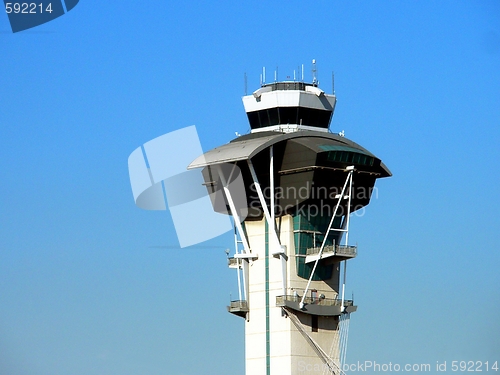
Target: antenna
point(246, 84)
point(333, 83)
point(263, 75)
point(294, 75)
point(276, 75)
point(302, 72)
point(315, 80)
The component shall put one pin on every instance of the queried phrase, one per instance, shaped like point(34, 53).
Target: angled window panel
point(253, 119)
point(273, 116)
point(288, 115)
point(263, 118)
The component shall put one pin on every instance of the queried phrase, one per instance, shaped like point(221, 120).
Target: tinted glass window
point(289, 115)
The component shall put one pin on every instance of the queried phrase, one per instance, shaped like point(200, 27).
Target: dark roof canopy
point(247, 146)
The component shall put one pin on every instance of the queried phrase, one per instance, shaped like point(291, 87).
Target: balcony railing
point(237, 260)
point(280, 300)
point(233, 262)
point(340, 250)
point(239, 305)
point(316, 306)
point(239, 308)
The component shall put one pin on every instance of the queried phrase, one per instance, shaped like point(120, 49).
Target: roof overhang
point(246, 147)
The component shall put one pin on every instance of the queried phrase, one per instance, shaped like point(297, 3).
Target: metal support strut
point(277, 249)
point(348, 180)
point(237, 223)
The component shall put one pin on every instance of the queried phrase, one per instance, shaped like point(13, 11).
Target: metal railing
point(280, 301)
point(238, 306)
point(233, 262)
point(341, 250)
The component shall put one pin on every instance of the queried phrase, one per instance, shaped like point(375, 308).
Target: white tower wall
point(271, 338)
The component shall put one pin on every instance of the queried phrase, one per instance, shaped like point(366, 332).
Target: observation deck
point(237, 260)
point(234, 262)
point(238, 308)
point(335, 252)
point(316, 306)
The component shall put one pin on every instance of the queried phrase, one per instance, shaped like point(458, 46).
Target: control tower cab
point(291, 215)
point(289, 106)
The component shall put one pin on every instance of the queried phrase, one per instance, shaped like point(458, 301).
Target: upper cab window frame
point(289, 115)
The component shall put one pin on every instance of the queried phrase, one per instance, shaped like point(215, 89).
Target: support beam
point(238, 268)
point(271, 187)
point(237, 223)
point(277, 249)
point(282, 253)
point(350, 171)
point(232, 207)
point(348, 215)
point(275, 239)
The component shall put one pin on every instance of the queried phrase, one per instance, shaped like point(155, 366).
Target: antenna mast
point(314, 71)
point(246, 84)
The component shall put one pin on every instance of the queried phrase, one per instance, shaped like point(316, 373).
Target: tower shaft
point(273, 342)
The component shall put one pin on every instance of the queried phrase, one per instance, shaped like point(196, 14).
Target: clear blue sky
point(92, 285)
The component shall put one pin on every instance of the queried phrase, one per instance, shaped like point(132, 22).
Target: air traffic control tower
point(301, 183)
